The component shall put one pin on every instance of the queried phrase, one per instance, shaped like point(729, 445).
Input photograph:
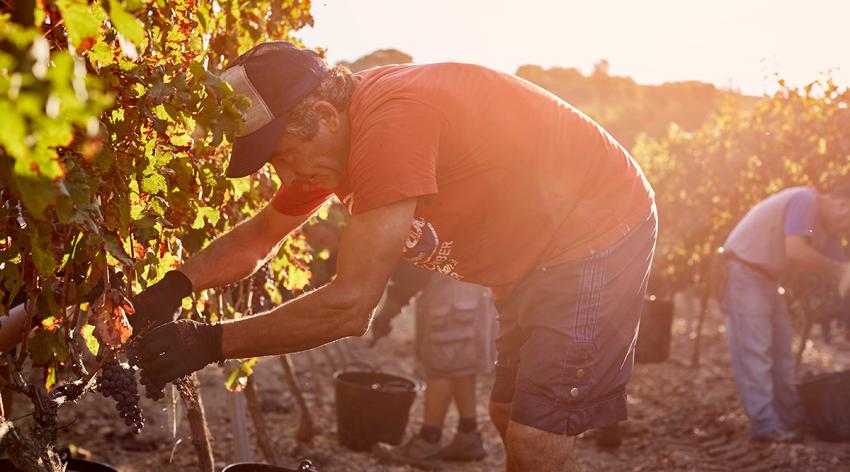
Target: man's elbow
point(357, 321)
point(357, 314)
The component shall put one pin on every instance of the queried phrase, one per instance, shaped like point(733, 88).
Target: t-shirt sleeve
point(801, 214)
point(298, 200)
point(394, 154)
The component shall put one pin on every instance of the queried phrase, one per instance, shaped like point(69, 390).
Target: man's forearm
point(811, 259)
point(228, 259)
point(311, 320)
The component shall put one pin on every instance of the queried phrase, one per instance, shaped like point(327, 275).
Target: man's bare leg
point(463, 391)
point(500, 415)
point(541, 451)
point(438, 397)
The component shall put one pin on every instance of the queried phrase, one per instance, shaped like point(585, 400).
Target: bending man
point(459, 169)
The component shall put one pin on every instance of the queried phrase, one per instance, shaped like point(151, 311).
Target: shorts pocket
point(451, 341)
point(555, 367)
point(577, 375)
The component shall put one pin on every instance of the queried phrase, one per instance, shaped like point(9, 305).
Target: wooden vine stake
point(703, 309)
point(305, 431)
point(256, 412)
point(713, 285)
point(316, 373)
point(190, 391)
point(328, 357)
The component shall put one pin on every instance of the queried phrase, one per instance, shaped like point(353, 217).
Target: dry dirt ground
point(682, 417)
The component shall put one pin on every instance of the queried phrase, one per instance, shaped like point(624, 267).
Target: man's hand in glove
point(382, 321)
point(159, 303)
point(178, 348)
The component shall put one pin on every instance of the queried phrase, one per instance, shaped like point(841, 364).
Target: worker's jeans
point(758, 330)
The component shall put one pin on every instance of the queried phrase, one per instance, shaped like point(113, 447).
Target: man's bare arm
point(800, 252)
point(369, 251)
point(241, 251)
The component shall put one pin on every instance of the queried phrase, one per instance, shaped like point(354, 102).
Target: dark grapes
point(153, 390)
point(119, 382)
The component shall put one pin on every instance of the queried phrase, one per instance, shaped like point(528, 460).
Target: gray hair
point(337, 89)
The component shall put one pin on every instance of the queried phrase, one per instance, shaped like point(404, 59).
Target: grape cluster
point(153, 390)
point(119, 382)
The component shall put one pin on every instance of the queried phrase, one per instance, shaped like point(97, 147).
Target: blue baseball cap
point(275, 76)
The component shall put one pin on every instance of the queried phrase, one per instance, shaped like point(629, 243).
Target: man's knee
point(534, 449)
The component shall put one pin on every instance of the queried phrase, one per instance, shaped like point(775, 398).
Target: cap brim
point(252, 151)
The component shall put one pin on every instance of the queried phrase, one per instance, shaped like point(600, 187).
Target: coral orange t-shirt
point(508, 176)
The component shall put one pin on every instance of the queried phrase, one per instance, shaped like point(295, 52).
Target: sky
point(738, 44)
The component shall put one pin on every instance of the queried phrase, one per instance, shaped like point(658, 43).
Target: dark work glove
point(159, 302)
point(381, 327)
point(178, 348)
point(382, 322)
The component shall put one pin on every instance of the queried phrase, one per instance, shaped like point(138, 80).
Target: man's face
point(317, 163)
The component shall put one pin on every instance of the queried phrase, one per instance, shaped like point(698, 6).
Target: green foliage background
point(114, 137)
point(706, 180)
point(112, 152)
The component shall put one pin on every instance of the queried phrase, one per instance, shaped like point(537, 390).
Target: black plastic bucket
point(826, 399)
point(74, 465)
point(656, 326)
point(305, 466)
point(372, 407)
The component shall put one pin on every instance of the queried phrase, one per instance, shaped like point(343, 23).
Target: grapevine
point(118, 381)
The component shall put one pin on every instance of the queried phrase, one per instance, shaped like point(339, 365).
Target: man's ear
point(328, 114)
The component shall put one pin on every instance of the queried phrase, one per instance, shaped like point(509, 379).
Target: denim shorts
point(567, 337)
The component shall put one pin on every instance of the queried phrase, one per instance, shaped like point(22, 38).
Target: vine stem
point(190, 391)
point(67, 280)
point(256, 412)
point(30, 307)
point(306, 429)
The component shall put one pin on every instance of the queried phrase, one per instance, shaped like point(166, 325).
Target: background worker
point(455, 332)
point(796, 229)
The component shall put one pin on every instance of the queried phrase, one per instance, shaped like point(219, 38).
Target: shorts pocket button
point(580, 373)
point(574, 391)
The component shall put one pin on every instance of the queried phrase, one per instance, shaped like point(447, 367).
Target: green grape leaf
point(238, 378)
point(47, 347)
point(116, 249)
point(205, 215)
point(81, 22)
point(50, 376)
point(13, 132)
point(154, 183)
point(126, 24)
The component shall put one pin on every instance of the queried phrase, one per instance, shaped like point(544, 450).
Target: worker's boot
point(416, 452)
point(465, 446)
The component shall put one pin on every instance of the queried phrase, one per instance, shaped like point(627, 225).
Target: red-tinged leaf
point(86, 44)
point(110, 322)
point(51, 323)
